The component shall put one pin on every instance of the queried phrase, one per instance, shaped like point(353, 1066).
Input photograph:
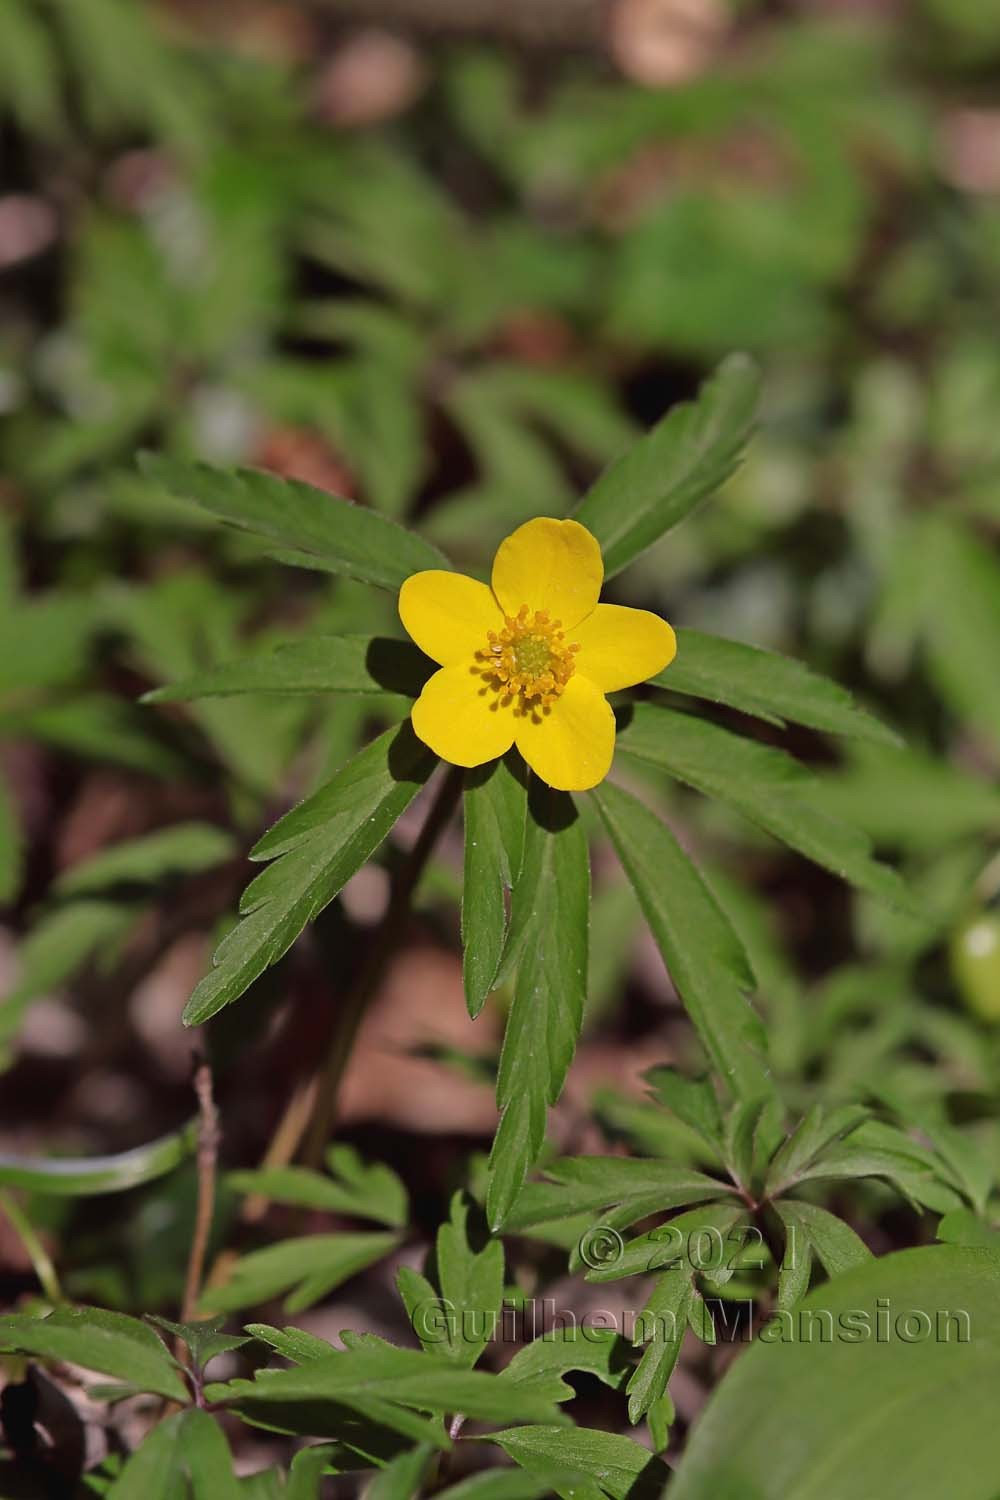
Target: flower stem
point(208, 1153)
point(383, 947)
point(314, 1102)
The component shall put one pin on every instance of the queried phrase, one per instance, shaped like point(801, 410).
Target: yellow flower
point(528, 661)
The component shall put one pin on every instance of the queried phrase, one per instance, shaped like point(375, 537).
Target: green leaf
point(292, 1343)
point(108, 1342)
point(619, 1467)
point(498, 1484)
point(353, 664)
point(184, 1456)
point(470, 1282)
point(269, 1484)
point(455, 1315)
point(58, 947)
point(691, 1241)
point(765, 785)
point(403, 1478)
point(692, 1100)
point(661, 1326)
point(99, 728)
point(322, 843)
point(598, 1351)
point(818, 1130)
point(795, 1271)
point(702, 952)
point(183, 849)
point(838, 1247)
point(408, 1377)
point(961, 1227)
point(742, 1121)
point(584, 1184)
point(875, 1411)
point(548, 932)
point(690, 453)
point(495, 808)
point(88, 1176)
point(878, 788)
point(875, 1149)
point(771, 687)
point(354, 1187)
point(310, 1266)
point(295, 518)
point(204, 1339)
point(661, 1417)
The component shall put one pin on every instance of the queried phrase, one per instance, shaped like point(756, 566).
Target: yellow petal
point(550, 565)
point(461, 719)
point(448, 614)
point(569, 745)
point(620, 647)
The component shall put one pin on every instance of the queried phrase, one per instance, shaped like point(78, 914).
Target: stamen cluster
point(529, 656)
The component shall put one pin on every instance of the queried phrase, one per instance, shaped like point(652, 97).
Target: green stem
point(326, 1083)
point(43, 1267)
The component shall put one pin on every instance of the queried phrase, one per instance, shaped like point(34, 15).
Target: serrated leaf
point(619, 1467)
point(661, 1417)
point(690, 453)
point(292, 1343)
point(770, 686)
point(548, 931)
point(875, 1149)
point(470, 1282)
point(109, 1342)
point(699, 946)
point(585, 1184)
point(692, 1100)
point(323, 842)
point(599, 1351)
point(660, 1327)
point(679, 1244)
point(332, 533)
point(740, 1132)
point(204, 1339)
point(355, 664)
point(495, 808)
point(408, 1377)
point(700, 1319)
point(765, 785)
point(818, 1129)
point(835, 1243)
point(795, 1270)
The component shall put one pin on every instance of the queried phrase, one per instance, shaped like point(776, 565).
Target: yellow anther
point(528, 658)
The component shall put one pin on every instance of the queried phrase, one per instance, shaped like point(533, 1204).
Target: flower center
point(529, 656)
